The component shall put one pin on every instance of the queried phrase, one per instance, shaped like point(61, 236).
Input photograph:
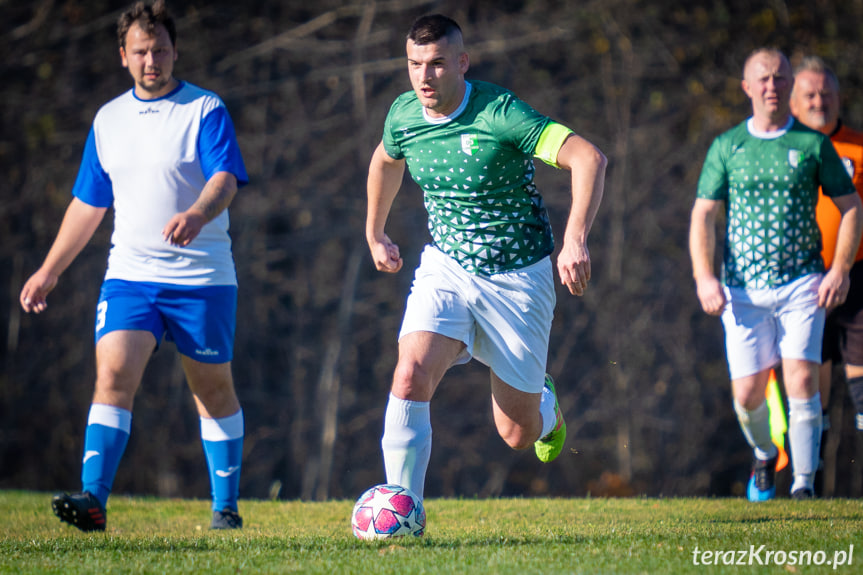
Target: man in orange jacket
point(815, 103)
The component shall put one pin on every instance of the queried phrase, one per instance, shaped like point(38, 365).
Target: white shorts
point(504, 320)
point(763, 326)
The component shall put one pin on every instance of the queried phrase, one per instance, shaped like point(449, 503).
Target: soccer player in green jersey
point(484, 287)
point(764, 175)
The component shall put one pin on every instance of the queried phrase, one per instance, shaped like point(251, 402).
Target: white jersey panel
point(149, 150)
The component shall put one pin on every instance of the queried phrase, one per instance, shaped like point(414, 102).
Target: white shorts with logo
point(503, 319)
point(763, 326)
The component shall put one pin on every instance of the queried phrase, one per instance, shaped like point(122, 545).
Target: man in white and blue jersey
point(485, 285)
point(164, 155)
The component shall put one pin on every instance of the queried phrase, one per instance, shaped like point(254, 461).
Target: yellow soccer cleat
point(549, 447)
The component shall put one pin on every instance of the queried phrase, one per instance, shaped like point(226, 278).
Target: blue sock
point(223, 447)
point(105, 441)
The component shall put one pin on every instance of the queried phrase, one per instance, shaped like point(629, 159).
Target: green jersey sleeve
point(517, 124)
point(713, 182)
point(391, 144)
point(835, 180)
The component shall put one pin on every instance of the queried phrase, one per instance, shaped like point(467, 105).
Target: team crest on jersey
point(469, 144)
point(794, 157)
point(849, 166)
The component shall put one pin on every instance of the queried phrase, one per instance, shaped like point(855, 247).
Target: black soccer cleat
point(762, 482)
point(82, 510)
point(802, 494)
point(226, 519)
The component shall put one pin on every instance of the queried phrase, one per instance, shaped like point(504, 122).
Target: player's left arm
point(586, 164)
point(836, 283)
point(214, 199)
point(222, 165)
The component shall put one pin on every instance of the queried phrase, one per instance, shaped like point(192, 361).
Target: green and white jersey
point(769, 183)
point(476, 170)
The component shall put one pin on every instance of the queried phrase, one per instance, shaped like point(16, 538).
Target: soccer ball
point(386, 511)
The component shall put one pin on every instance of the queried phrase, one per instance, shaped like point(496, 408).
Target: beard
point(154, 85)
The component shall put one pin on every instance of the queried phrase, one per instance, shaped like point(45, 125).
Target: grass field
point(641, 535)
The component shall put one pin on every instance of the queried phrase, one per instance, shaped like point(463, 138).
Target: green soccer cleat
point(549, 447)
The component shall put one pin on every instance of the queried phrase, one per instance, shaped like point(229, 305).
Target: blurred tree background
point(640, 368)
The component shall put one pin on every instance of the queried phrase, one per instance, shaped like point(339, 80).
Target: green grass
point(519, 536)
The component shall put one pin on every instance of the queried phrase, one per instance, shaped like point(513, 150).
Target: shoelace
point(762, 475)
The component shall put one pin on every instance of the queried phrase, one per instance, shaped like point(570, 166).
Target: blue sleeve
point(93, 185)
point(218, 148)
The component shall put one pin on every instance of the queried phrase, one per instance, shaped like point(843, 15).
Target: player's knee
point(218, 400)
point(749, 401)
point(114, 390)
point(412, 381)
point(115, 381)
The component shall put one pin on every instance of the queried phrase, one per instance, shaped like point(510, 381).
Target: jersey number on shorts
point(101, 311)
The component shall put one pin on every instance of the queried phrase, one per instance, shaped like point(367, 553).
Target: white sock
point(755, 425)
point(406, 443)
point(547, 412)
point(804, 434)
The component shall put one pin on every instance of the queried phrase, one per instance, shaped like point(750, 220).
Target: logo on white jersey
point(90, 454)
point(231, 470)
point(469, 144)
point(148, 111)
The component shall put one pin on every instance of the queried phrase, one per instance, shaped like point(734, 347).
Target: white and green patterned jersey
point(769, 183)
point(476, 170)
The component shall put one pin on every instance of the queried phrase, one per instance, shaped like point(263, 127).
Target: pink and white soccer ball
point(386, 511)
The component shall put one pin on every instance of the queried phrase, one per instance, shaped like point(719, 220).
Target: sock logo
point(90, 454)
point(231, 470)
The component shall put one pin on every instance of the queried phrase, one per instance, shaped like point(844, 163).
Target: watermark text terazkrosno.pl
point(762, 555)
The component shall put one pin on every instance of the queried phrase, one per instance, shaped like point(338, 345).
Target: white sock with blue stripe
point(223, 447)
point(105, 440)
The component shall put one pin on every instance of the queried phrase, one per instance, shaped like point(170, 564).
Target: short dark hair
point(147, 16)
point(431, 28)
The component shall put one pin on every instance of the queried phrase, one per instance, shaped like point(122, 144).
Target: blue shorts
point(200, 320)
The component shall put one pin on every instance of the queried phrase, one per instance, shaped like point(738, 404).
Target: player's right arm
point(79, 225)
point(384, 181)
point(702, 247)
